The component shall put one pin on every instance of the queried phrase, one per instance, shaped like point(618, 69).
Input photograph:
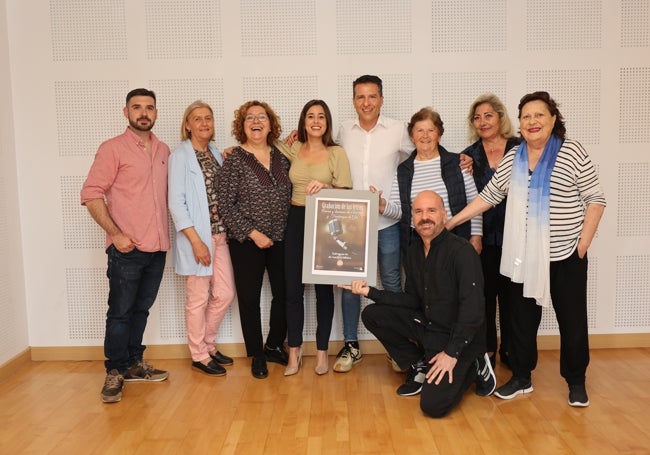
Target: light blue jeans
point(388, 260)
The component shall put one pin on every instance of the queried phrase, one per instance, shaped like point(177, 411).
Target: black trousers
point(249, 263)
point(406, 340)
point(293, 247)
point(569, 294)
point(496, 290)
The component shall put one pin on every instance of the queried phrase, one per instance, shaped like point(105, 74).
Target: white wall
point(72, 62)
point(13, 314)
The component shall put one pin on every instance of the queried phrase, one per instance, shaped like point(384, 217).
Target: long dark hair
point(327, 136)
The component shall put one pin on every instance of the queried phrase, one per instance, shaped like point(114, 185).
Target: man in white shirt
point(373, 144)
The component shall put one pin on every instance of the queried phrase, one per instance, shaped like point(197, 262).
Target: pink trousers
point(208, 299)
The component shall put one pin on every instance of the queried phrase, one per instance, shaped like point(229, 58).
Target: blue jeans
point(388, 260)
point(133, 279)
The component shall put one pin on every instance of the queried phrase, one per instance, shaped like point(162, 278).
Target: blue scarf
point(526, 237)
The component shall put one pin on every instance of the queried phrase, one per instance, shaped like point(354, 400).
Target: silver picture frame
point(340, 237)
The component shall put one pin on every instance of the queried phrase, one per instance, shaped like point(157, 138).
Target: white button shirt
point(374, 155)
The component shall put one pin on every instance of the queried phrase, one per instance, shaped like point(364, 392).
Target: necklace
point(493, 160)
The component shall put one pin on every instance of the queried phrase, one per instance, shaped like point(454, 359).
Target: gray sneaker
point(113, 385)
point(347, 357)
point(143, 371)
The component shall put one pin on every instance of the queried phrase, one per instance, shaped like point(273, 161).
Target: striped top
point(574, 185)
point(427, 176)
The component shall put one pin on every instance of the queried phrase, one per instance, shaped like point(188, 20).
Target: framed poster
point(340, 237)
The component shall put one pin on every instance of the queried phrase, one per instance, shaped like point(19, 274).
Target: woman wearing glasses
point(254, 197)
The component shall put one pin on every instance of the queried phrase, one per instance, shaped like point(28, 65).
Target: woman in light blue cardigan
point(201, 252)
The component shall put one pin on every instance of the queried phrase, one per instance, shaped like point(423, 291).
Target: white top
point(374, 155)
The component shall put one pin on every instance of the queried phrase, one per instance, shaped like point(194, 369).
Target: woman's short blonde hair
point(185, 134)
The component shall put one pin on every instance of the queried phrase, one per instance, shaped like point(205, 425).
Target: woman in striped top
point(554, 205)
point(430, 167)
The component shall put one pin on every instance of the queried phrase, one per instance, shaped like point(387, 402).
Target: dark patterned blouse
point(211, 170)
point(253, 197)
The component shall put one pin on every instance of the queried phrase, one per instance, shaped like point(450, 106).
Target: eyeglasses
point(259, 117)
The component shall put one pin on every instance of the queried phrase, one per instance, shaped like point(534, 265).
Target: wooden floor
point(55, 408)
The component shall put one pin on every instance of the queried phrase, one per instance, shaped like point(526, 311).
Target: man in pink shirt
point(126, 194)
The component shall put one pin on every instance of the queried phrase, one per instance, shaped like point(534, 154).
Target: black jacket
point(445, 292)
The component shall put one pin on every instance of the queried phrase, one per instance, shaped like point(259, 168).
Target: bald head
point(429, 215)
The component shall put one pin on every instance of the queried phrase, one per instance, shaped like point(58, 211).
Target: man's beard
point(135, 125)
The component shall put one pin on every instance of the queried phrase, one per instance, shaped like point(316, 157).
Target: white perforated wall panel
point(171, 301)
point(79, 229)
point(87, 291)
point(87, 30)
point(378, 27)
point(633, 217)
point(88, 113)
point(561, 25)
point(635, 23)
point(632, 291)
point(187, 29)
point(469, 26)
point(278, 28)
point(634, 97)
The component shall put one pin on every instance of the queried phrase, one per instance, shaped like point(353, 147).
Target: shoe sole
point(410, 394)
point(339, 369)
point(578, 404)
point(145, 380)
point(111, 399)
point(512, 395)
point(208, 374)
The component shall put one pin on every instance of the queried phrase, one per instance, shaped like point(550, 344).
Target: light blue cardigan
point(188, 205)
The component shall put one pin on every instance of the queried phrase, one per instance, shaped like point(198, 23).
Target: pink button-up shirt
point(134, 185)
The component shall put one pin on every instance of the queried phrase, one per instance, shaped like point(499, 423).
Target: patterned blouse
point(211, 170)
point(253, 197)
